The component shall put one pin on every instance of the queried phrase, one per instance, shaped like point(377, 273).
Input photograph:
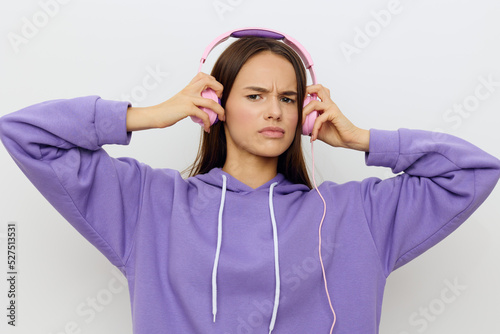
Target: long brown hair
point(212, 150)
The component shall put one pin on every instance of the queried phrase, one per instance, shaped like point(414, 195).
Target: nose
point(273, 110)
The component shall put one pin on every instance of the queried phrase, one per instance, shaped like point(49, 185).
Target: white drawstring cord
point(217, 253)
point(276, 259)
point(276, 255)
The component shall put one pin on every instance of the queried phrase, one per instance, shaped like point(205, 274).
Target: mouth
point(272, 132)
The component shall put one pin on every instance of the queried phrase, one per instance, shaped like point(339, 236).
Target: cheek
point(239, 114)
point(245, 115)
point(293, 118)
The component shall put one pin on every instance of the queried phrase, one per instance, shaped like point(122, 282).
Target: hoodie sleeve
point(444, 181)
point(57, 145)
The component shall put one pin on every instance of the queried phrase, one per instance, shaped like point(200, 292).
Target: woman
point(233, 248)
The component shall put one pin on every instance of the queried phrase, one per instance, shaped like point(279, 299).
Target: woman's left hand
point(331, 126)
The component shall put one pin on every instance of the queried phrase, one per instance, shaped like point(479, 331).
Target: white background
point(410, 71)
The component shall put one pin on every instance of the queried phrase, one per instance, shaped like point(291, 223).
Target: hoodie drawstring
point(276, 258)
point(217, 253)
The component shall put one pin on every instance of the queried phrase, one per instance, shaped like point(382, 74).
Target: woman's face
point(261, 109)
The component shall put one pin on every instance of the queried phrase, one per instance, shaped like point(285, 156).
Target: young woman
point(234, 247)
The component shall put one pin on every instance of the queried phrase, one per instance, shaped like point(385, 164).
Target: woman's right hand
point(183, 104)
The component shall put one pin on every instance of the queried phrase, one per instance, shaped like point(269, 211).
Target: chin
point(272, 153)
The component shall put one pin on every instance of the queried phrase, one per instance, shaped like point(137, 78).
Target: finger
point(321, 91)
point(315, 130)
point(195, 111)
point(211, 104)
point(310, 107)
point(320, 120)
point(216, 87)
point(313, 105)
point(317, 88)
point(208, 81)
point(196, 78)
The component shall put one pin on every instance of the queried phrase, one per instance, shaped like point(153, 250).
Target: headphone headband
point(268, 33)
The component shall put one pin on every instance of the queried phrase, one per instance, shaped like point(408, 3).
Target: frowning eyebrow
point(265, 90)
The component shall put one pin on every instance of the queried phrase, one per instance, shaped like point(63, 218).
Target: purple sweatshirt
point(190, 247)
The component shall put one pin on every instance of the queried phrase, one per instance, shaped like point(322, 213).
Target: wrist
point(362, 142)
point(141, 118)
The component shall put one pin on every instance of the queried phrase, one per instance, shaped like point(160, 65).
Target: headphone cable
point(319, 248)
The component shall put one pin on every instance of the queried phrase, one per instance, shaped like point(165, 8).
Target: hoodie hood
point(283, 186)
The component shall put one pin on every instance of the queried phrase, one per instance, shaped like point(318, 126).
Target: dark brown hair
point(212, 150)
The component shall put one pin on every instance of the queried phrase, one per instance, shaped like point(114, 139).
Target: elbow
point(486, 180)
point(5, 126)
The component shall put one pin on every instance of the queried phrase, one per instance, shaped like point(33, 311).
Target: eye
point(287, 100)
point(253, 97)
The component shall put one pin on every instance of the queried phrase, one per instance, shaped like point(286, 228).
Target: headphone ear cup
point(308, 125)
point(208, 94)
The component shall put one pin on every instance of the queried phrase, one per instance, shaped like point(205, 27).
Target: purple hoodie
point(190, 247)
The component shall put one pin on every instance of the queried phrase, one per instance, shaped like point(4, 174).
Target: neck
point(253, 171)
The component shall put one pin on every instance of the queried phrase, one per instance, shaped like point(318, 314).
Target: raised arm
point(183, 104)
point(444, 180)
point(57, 144)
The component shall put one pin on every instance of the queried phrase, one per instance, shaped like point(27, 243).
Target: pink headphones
point(260, 32)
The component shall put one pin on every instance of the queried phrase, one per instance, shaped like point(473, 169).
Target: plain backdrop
point(428, 64)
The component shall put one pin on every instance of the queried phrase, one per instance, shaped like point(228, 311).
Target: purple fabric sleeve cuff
point(111, 122)
point(384, 148)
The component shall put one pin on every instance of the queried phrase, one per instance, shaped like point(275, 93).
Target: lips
point(272, 131)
